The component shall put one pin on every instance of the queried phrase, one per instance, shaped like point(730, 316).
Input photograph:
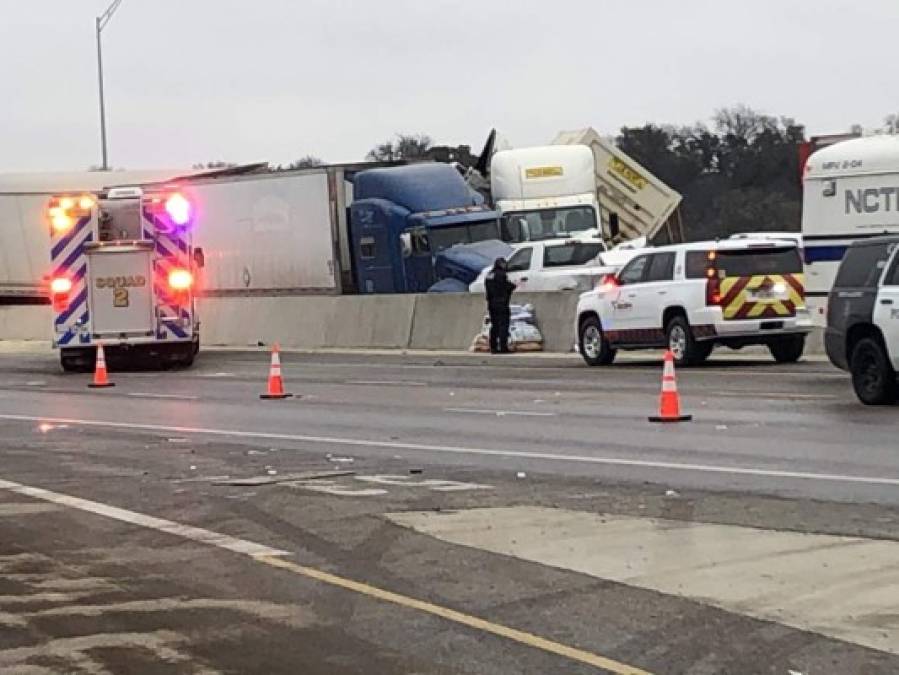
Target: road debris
point(283, 478)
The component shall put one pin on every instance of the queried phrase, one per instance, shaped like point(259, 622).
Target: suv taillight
point(713, 282)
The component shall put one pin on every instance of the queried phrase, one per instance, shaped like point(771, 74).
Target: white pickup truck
point(576, 263)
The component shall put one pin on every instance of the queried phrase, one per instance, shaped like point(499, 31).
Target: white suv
point(691, 297)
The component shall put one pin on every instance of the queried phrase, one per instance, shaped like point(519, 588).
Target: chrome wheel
point(677, 341)
point(592, 342)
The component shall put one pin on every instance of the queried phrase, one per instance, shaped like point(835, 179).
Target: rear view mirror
point(406, 243)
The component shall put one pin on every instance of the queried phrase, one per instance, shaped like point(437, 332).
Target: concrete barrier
point(436, 321)
point(308, 322)
point(25, 322)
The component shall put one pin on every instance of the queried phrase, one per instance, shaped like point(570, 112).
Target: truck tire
point(787, 349)
point(873, 378)
point(686, 349)
point(183, 356)
point(75, 361)
point(594, 346)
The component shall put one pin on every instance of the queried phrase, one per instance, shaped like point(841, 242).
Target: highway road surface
point(417, 513)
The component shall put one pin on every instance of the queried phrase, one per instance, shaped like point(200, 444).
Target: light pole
point(102, 20)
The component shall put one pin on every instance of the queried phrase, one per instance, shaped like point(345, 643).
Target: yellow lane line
point(519, 636)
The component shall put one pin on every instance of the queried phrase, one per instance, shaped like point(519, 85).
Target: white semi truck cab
point(123, 269)
point(544, 192)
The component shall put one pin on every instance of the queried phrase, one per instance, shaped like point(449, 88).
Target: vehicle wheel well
point(858, 332)
point(670, 313)
point(590, 314)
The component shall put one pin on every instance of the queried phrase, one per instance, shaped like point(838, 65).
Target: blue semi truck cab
point(403, 216)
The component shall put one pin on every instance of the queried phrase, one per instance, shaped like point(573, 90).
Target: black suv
point(862, 333)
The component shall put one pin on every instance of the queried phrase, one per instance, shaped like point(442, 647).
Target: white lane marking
point(437, 484)
point(196, 534)
point(460, 450)
point(500, 413)
point(179, 397)
point(771, 394)
point(401, 383)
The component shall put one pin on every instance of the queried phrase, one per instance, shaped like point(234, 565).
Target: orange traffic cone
point(275, 382)
point(101, 379)
point(669, 403)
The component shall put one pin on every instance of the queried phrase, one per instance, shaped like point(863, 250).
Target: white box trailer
point(271, 233)
point(850, 192)
point(628, 192)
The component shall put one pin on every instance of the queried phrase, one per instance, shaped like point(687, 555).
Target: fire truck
point(122, 274)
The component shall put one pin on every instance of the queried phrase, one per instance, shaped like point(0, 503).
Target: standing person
point(499, 294)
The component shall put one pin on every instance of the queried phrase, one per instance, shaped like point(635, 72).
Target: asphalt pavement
point(126, 546)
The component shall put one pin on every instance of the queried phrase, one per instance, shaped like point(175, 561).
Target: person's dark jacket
point(499, 288)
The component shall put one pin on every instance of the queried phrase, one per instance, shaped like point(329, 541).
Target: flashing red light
point(60, 287)
point(178, 208)
point(180, 279)
point(608, 283)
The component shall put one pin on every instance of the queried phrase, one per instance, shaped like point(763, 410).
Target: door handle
point(524, 279)
point(663, 292)
point(886, 301)
point(632, 295)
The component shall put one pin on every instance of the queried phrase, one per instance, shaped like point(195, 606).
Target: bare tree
point(404, 146)
point(742, 122)
point(306, 162)
point(215, 164)
point(891, 124)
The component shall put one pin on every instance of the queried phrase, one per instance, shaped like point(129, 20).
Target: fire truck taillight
point(60, 287)
point(180, 280)
point(179, 209)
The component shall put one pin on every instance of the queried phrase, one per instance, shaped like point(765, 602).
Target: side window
point(521, 260)
point(892, 279)
point(661, 267)
point(697, 264)
point(633, 271)
point(863, 266)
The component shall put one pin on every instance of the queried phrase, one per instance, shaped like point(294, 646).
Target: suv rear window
point(863, 266)
point(570, 254)
point(750, 262)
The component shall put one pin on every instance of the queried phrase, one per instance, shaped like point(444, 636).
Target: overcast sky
point(249, 80)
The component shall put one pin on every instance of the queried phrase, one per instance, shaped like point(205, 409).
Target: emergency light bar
point(171, 210)
point(65, 210)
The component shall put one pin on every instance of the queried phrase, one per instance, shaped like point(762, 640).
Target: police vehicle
point(692, 297)
point(862, 334)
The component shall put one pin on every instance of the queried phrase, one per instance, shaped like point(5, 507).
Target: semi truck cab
point(401, 217)
point(545, 192)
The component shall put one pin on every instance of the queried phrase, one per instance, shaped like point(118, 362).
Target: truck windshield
point(547, 223)
point(443, 237)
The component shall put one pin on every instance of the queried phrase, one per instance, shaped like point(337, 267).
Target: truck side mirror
point(406, 243)
point(614, 226)
point(199, 258)
point(525, 229)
